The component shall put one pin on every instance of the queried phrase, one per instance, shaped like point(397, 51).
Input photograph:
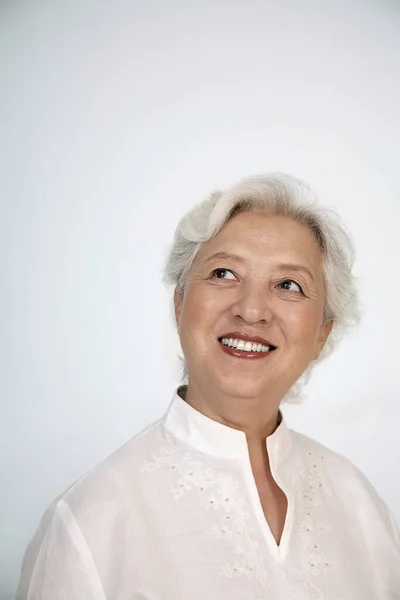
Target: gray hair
point(284, 195)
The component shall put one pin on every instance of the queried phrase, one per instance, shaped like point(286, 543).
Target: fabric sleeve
point(58, 564)
point(395, 530)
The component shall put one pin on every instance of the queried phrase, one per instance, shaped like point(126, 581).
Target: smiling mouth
point(240, 347)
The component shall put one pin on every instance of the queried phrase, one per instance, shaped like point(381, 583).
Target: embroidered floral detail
point(217, 492)
point(311, 530)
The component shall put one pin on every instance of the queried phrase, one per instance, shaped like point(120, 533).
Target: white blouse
point(175, 515)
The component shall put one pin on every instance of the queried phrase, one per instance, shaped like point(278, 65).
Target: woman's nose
point(254, 305)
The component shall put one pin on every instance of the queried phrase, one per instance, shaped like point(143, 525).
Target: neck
point(257, 418)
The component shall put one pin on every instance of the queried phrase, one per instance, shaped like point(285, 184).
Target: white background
point(116, 117)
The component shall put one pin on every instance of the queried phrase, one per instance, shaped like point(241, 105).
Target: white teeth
point(245, 346)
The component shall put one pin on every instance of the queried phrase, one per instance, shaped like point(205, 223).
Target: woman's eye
point(223, 274)
point(291, 286)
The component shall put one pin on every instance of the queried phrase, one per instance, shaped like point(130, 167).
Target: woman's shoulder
point(107, 480)
point(328, 459)
point(345, 480)
point(304, 444)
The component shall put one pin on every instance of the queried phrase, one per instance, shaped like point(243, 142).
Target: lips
point(247, 337)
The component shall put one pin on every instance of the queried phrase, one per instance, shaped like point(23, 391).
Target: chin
point(241, 386)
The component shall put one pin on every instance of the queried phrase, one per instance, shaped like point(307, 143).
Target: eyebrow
point(240, 259)
point(224, 256)
point(294, 267)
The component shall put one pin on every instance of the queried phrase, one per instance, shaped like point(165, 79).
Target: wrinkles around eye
point(291, 282)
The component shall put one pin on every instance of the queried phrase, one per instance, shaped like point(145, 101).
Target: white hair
point(276, 194)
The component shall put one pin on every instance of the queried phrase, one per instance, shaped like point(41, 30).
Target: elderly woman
point(219, 498)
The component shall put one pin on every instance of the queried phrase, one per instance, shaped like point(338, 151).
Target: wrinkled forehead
point(263, 239)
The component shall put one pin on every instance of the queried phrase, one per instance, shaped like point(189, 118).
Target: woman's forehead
point(261, 236)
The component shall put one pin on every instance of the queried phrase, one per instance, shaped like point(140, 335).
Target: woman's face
point(260, 276)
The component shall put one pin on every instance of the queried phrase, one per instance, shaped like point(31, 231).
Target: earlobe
point(326, 329)
point(177, 306)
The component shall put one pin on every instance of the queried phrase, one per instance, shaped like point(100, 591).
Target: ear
point(178, 299)
point(326, 329)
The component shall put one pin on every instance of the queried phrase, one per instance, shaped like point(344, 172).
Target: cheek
point(198, 310)
point(203, 304)
point(303, 324)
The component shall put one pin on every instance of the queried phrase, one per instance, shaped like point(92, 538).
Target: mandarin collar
point(211, 437)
